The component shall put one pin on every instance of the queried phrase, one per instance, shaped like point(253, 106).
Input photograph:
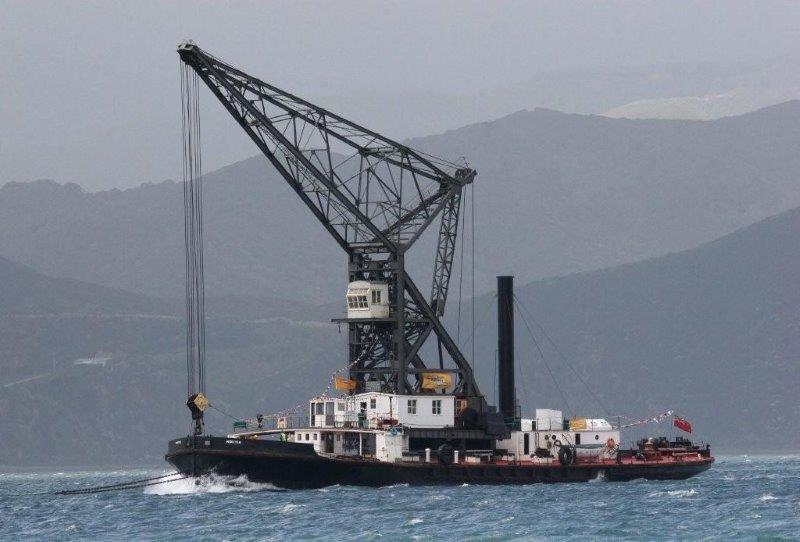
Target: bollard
point(427, 455)
point(455, 456)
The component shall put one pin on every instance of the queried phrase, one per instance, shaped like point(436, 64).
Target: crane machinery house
point(367, 299)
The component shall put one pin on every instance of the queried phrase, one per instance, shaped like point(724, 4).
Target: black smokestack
point(505, 347)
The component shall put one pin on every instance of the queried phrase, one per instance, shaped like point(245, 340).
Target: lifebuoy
point(610, 443)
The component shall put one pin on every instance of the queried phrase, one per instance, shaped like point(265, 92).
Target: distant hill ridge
point(575, 192)
point(713, 332)
point(26, 291)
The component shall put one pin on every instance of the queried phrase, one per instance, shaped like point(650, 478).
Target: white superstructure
point(375, 410)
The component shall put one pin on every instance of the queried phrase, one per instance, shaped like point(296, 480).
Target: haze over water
point(739, 498)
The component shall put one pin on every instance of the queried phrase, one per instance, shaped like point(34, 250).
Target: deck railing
point(259, 423)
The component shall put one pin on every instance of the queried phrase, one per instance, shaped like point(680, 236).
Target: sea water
point(739, 498)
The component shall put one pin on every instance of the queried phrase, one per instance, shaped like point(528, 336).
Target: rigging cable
point(564, 358)
point(131, 484)
point(547, 365)
point(463, 217)
point(234, 418)
point(472, 260)
point(480, 321)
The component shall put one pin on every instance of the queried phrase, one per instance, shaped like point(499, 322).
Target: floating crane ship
point(401, 414)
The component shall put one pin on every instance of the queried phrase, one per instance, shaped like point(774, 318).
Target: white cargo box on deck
point(548, 419)
point(526, 424)
point(597, 424)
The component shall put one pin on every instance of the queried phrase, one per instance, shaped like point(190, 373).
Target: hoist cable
point(193, 231)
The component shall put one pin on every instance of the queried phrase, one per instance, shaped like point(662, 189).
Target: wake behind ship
point(399, 411)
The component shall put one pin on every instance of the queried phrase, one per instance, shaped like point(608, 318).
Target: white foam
point(674, 493)
point(287, 508)
point(393, 486)
point(210, 483)
point(415, 521)
point(682, 492)
point(601, 477)
point(768, 497)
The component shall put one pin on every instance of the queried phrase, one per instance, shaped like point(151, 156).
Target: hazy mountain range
point(712, 332)
point(706, 107)
point(556, 193)
point(95, 359)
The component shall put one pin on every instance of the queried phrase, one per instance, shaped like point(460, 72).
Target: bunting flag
point(655, 419)
point(682, 424)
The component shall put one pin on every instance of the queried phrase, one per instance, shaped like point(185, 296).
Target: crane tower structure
point(375, 197)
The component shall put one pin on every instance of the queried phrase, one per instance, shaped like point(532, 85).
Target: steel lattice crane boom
point(375, 197)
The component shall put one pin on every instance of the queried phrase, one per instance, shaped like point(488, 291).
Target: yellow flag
point(577, 424)
point(344, 384)
point(436, 381)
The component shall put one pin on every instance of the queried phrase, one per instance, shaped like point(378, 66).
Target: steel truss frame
point(375, 197)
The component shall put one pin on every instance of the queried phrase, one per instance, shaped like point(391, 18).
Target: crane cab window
point(357, 302)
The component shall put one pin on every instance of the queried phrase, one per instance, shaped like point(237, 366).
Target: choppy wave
point(679, 493)
point(210, 483)
point(601, 477)
point(752, 497)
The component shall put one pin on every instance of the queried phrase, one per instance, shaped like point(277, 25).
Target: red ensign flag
point(682, 424)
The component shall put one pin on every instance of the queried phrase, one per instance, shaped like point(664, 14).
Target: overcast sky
point(89, 90)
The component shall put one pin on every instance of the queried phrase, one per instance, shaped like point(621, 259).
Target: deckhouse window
point(412, 406)
point(376, 296)
point(373, 403)
point(319, 408)
point(357, 302)
point(436, 406)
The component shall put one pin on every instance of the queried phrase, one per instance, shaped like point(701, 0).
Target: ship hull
point(297, 466)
